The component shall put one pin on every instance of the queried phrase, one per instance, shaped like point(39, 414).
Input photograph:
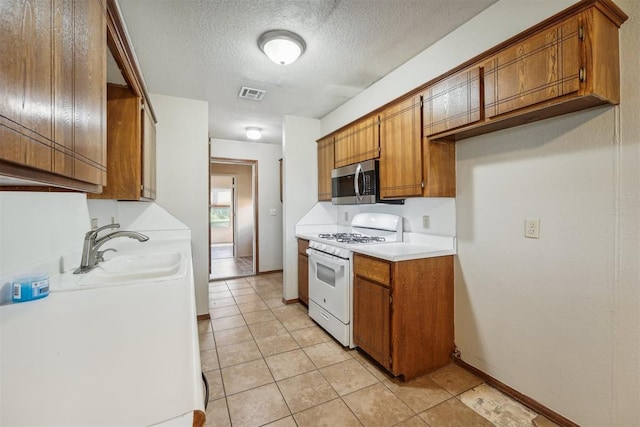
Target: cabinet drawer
point(373, 269)
point(302, 246)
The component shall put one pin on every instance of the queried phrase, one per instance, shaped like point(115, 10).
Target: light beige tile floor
point(268, 364)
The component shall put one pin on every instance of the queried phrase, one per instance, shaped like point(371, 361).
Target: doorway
point(232, 218)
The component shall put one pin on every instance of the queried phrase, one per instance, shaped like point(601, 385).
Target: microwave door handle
point(356, 181)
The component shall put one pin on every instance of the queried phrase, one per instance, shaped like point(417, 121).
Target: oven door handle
point(356, 181)
point(333, 261)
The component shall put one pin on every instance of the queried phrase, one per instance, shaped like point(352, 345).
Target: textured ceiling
point(208, 50)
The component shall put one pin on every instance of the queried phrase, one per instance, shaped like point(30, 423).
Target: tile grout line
point(289, 332)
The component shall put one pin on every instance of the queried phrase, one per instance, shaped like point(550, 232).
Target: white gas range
point(330, 270)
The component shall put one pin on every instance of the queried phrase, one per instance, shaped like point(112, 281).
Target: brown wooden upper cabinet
point(567, 63)
point(131, 147)
point(325, 165)
point(52, 93)
point(400, 150)
point(543, 67)
point(358, 142)
point(411, 165)
point(452, 102)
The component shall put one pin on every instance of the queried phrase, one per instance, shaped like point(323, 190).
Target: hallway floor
point(224, 265)
point(268, 363)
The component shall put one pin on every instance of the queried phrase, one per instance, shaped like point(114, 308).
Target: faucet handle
point(100, 254)
point(93, 233)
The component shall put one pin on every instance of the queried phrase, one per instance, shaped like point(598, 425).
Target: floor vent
point(251, 93)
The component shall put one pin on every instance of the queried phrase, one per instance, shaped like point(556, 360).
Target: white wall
point(183, 177)
point(440, 210)
point(37, 230)
point(626, 289)
point(558, 318)
point(300, 188)
point(269, 227)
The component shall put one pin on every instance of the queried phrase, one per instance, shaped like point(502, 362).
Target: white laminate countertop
point(119, 355)
point(413, 246)
point(403, 251)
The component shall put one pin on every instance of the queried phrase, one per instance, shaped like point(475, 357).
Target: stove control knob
point(323, 247)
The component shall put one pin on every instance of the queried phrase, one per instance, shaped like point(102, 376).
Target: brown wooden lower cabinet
point(303, 271)
point(403, 313)
point(371, 318)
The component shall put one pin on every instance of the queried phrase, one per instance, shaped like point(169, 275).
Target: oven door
point(329, 284)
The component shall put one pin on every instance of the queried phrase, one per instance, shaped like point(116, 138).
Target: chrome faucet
point(91, 245)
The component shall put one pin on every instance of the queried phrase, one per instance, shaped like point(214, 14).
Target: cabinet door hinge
point(422, 184)
point(582, 74)
point(390, 361)
point(390, 299)
point(581, 32)
point(141, 187)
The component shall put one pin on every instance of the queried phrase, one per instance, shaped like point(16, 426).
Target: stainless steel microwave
point(355, 184)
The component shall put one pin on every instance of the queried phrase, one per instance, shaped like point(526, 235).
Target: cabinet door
point(303, 278)
point(148, 155)
point(343, 147)
point(63, 21)
point(401, 152)
point(541, 68)
point(325, 165)
point(439, 168)
point(90, 92)
point(358, 142)
point(452, 103)
point(124, 145)
point(371, 320)
point(25, 83)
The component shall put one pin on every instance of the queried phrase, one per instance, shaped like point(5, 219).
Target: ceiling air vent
point(252, 94)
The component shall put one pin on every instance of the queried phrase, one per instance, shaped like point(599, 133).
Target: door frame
point(254, 196)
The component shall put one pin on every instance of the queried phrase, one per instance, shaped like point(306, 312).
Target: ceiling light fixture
point(281, 46)
point(254, 133)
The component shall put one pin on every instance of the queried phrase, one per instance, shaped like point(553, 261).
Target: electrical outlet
point(346, 216)
point(532, 228)
point(273, 212)
point(94, 223)
point(425, 221)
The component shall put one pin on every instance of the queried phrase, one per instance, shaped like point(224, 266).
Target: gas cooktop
point(351, 238)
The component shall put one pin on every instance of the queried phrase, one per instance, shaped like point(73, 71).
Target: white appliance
point(331, 272)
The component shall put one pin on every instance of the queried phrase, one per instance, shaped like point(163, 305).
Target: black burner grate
point(351, 238)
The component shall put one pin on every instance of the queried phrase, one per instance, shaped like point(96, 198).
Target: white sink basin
point(135, 268)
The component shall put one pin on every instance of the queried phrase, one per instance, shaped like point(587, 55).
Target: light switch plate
point(425, 221)
point(273, 212)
